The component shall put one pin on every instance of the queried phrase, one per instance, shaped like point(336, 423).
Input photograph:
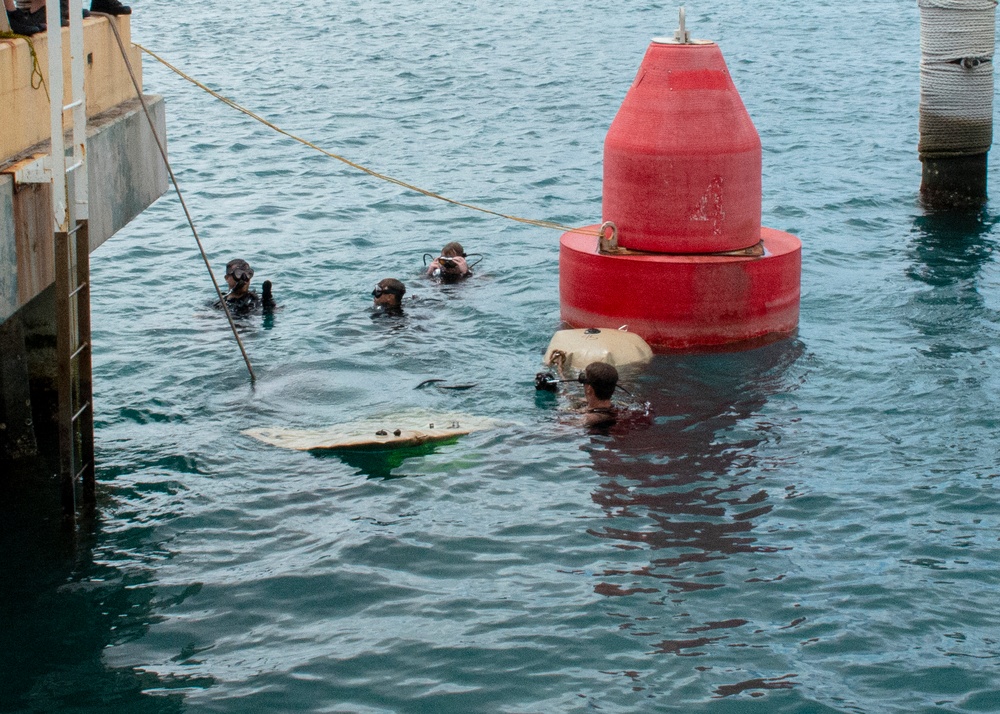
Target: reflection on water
point(950, 247)
point(755, 686)
point(684, 490)
point(60, 607)
point(949, 252)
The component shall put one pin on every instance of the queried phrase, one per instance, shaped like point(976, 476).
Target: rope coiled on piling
point(956, 77)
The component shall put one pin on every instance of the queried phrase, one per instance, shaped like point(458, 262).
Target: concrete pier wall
point(125, 174)
point(106, 80)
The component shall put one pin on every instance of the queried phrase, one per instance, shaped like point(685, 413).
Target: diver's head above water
point(599, 380)
point(388, 295)
point(238, 275)
point(451, 264)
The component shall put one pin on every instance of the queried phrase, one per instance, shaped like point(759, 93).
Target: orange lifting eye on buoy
point(682, 257)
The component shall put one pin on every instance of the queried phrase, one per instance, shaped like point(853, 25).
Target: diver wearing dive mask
point(240, 299)
point(388, 296)
point(451, 265)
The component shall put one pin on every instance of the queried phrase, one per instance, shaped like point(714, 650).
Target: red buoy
point(682, 157)
point(688, 265)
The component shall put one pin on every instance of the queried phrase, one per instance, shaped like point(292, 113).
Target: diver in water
point(388, 297)
point(599, 380)
point(451, 265)
point(240, 299)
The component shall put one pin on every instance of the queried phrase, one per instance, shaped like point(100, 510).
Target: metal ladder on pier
point(67, 172)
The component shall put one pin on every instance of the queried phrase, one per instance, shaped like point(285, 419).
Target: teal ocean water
point(807, 527)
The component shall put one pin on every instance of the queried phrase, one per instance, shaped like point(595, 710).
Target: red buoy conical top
point(682, 159)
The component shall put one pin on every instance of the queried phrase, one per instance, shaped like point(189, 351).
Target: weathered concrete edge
point(126, 175)
point(125, 170)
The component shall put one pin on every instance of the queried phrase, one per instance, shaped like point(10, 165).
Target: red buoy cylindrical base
point(678, 302)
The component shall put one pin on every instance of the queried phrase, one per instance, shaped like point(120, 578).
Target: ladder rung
point(74, 230)
point(84, 408)
point(80, 472)
point(74, 167)
point(80, 349)
point(79, 287)
point(73, 105)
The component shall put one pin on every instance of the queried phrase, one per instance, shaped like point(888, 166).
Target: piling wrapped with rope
point(957, 40)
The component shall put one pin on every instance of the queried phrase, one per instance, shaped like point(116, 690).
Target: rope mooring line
point(371, 172)
point(177, 188)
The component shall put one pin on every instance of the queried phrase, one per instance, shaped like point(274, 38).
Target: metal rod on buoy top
point(957, 39)
point(682, 35)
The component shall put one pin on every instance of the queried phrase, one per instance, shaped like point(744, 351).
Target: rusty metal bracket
point(36, 168)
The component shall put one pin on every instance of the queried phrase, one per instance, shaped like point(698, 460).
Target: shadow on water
point(686, 491)
point(61, 609)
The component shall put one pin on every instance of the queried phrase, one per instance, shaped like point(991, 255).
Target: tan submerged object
point(375, 434)
point(584, 347)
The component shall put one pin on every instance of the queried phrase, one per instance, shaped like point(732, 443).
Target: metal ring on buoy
point(605, 244)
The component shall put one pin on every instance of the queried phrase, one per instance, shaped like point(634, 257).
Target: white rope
point(957, 39)
point(953, 29)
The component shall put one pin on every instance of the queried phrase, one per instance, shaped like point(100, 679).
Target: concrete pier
point(125, 175)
